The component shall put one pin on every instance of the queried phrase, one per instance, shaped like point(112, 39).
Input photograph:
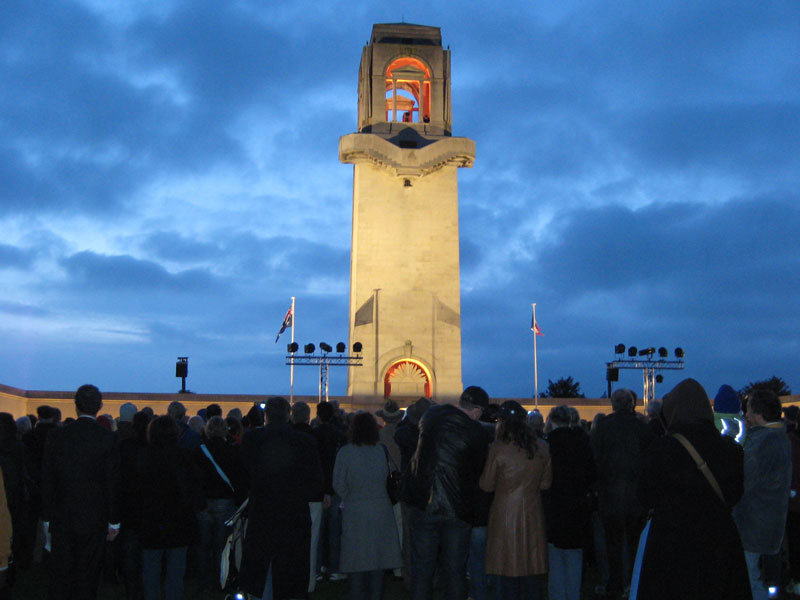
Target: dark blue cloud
point(91, 273)
point(758, 137)
point(12, 257)
point(173, 246)
point(718, 280)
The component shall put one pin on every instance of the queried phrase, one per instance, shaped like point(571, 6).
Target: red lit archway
point(409, 376)
point(408, 90)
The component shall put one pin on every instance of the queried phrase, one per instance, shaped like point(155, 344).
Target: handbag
point(393, 479)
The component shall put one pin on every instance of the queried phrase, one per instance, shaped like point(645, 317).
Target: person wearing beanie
point(728, 412)
point(692, 549)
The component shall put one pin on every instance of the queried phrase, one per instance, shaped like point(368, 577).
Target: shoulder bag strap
point(701, 464)
point(220, 472)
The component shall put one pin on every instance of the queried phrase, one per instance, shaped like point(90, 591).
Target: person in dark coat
point(224, 488)
point(131, 506)
point(284, 475)
point(34, 441)
point(330, 438)
point(619, 443)
point(693, 549)
point(187, 438)
point(80, 498)
point(568, 505)
point(791, 417)
point(440, 487)
point(13, 467)
point(406, 435)
point(170, 496)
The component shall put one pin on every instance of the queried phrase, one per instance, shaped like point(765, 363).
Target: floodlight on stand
point(182, 367)
point(647, 351)
point(357, 347)
point(663, 352)
point(309, 348)
point(341, 347)
point(182, 371)
point(292, 348)
point(632, 351)
point(325, 347)
point(619, 349)
point(679, 353)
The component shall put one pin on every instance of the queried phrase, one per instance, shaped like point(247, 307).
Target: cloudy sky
point(169, 178)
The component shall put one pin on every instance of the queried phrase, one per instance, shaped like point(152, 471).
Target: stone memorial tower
point(405, 304)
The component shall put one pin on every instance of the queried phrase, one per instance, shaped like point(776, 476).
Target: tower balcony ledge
point(404, 161)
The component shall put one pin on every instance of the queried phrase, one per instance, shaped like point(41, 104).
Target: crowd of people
point(474, 499)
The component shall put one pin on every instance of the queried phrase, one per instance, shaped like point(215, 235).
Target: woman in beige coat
point(517, 470)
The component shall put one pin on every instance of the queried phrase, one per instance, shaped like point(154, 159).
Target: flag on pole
point(535, 326)
point(287, 322)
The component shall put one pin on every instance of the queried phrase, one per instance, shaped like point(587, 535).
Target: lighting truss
point(648, 369)
point(324, 361)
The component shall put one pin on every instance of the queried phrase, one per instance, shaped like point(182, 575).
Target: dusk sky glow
point(169, 179)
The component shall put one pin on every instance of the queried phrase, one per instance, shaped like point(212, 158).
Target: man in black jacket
point(80, 498)
point(441, 489)
point(619, 443)
point(285, 474)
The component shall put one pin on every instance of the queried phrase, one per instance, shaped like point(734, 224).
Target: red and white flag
point(535, 326)
point(287, 322)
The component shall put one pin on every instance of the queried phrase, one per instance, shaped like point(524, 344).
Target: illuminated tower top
point(404, 80)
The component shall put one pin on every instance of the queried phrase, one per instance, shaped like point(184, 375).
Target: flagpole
point(291, 367)
point(535, 362)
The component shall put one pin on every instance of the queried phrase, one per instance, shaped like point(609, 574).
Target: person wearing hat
point(517, 470)
point(125, 421)
point(392, 414)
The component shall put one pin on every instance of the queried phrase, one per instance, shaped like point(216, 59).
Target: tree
point(565, 387)
point(774, 383)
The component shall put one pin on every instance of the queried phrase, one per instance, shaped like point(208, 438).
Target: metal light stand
point(648, 368)
point(324, 361)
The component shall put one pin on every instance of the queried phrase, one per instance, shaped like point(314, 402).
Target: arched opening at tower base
point(408, 377)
